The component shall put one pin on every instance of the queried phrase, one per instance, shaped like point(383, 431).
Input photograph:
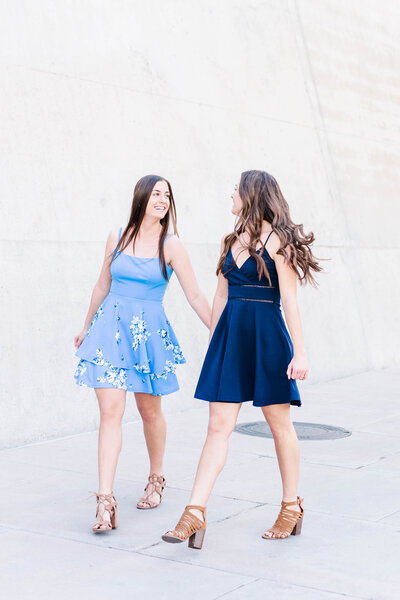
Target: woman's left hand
point(298, 368)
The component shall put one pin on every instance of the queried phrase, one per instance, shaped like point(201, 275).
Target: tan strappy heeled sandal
point(289, 522)
point(189, 526)
point(156, 483)
point(105, 503)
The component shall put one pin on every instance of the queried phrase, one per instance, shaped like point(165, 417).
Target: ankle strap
point(154, 478)
point(298, 501)
point(103, 497)
point(196, 507)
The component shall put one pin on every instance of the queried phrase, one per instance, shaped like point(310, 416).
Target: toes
point(280, 536)
point(173, 534)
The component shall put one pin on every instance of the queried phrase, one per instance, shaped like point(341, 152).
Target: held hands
point(79, 338)
point(298, 368)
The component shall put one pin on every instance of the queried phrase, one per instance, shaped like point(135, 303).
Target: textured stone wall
point(96, 94)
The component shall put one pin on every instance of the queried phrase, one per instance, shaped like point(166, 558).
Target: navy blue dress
point(250, 350)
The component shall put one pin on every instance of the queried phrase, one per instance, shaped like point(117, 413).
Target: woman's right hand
point(79, 338)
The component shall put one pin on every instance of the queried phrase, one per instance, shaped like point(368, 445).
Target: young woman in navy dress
point(251, 356)
point(128, 344)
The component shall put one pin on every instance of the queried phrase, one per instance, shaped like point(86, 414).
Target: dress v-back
point(130, 343)
point(250, 349)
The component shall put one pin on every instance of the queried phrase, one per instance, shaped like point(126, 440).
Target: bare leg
point(112, 407)
point(222, 420)
point(155, 433)
point(287, 450)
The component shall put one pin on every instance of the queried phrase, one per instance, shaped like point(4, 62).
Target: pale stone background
point(96, 94)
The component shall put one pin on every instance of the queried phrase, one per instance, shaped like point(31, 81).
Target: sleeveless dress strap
point(167, 236)
point(119, 233)
point(269, 235)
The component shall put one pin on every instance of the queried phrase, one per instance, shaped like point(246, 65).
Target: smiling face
point(237, 201)
point(159, 200)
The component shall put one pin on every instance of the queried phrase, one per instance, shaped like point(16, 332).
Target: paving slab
point(333, 554)
point(392, 520)
point(137, 528)
point(53, 567)
point(79, 453)
point(389, 425)
point(358, 450)
point(349, 547)
point(263, 588)
point(385, 464)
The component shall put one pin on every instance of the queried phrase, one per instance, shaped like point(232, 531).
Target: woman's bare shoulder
point(174, 243)
point(272, 243)
point(112, 238)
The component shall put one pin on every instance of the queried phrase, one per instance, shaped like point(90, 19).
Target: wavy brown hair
point(263, 201)
point(141, 196)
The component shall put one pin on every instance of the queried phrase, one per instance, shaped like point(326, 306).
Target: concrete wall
point(96, 94)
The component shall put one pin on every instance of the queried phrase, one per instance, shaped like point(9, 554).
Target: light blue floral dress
point(130, 343)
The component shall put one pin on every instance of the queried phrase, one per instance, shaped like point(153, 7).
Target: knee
point(149, 414)
point(220, 427)
point(281, 430)
point(111, 412)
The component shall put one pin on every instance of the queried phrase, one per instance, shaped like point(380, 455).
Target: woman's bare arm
point(220, 298)
point(102, 287)
point(219, 302)
point(298, 367)
point(178, 258)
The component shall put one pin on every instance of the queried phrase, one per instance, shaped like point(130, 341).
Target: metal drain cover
point(305, 431)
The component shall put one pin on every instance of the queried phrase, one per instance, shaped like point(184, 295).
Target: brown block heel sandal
point(156, 484)
point(289, 522)
point(189, 527)
point(105, 503)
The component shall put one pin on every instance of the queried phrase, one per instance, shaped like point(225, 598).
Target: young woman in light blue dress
point(127, 342)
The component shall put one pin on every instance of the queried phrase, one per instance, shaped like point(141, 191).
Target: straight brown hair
point(141, 196)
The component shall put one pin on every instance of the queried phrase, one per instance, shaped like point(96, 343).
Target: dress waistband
point(135, 298)
point(254, 292)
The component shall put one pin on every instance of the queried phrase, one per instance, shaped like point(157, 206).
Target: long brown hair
point(141, 196)
point(263, 201)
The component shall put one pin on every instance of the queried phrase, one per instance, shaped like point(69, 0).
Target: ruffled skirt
point(130, 345)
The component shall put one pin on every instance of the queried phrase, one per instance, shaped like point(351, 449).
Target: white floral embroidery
point(99, 313)
point(178, 356)
point(80, 369)
point(142, 368)
point(139, 332)
point(99, 359)
point(169, 345)
point(163, 333)
point(116, 376)
point(119, 377)
point(169, 367)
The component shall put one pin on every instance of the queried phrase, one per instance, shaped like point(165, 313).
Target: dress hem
point(255, 403)
point(113, 387)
